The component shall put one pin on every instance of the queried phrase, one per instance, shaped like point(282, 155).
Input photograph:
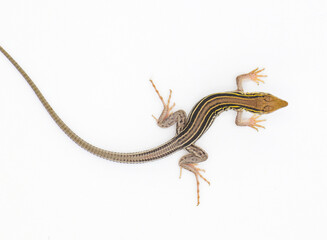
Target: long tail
point(136, 157)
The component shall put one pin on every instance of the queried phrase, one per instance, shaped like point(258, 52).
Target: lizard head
point(268, 103)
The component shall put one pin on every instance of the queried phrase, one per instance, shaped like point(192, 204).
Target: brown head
point(268, 103)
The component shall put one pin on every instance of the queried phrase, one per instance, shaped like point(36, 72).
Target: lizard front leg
point(168, 118)
point(253, 121)
point(189, 162)
point(249, 122)
point(252, 76)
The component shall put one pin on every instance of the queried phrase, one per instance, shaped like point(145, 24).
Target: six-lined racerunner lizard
point(188, 128)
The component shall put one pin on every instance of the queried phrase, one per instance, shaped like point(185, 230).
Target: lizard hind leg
point(167, 117)
point(167, 108)
point(190, 161)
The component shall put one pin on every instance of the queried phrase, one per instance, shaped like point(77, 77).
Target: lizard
point(189, 128)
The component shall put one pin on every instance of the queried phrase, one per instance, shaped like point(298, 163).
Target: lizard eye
point(268, 108)
point(268, 98)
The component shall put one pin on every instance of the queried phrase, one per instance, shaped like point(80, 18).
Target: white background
point(93, 59)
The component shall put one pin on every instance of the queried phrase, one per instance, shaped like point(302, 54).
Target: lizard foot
point(253, 122)
point(253, 75)
point(192, 167)
point(167, 107)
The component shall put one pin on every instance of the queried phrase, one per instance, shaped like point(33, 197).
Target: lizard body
point(188, 128)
